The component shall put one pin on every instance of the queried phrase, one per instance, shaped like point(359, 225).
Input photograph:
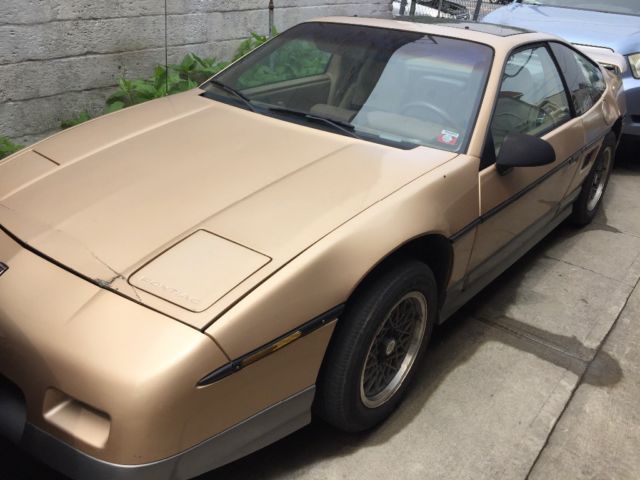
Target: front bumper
point(254, 433)
point(107, 388)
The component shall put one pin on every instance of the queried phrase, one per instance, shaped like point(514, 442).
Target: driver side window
point(532, 98)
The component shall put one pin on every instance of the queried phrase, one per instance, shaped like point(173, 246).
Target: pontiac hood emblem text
point(184, 296)
point(3, 268)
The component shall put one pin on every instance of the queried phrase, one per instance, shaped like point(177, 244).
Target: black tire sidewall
point(581, 214)
point(354, 334)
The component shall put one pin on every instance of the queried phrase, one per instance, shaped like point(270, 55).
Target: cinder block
point(61, 57)
point(208, 6)
point(222, 50)
point(19, 12)
point(31, 117)
point(187, 29)
point(79, 37)
point(22, 81)
point(236, 25)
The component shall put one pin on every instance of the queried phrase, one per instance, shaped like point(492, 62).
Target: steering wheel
point(440, 112)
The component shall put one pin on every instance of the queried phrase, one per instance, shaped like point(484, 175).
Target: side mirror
point(520, 150)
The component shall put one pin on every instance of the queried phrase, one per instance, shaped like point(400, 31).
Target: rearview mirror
point(520, 150)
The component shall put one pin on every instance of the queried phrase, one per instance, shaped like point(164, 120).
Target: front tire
point(588, 202)
point(377, 346)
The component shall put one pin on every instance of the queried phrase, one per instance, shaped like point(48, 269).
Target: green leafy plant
point(7, 147)
point(251, 43)
point(198, 69)
point(189, 73)
point(132, 92)
point(72, 122)
point(175, 78)
point(166, 81)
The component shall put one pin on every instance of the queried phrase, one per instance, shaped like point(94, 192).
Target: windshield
point(628, 7)
point(399, 88)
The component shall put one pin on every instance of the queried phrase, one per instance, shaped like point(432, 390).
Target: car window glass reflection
point(395, 87)
point(532, 99)
point(307, 61)
point(584, 79)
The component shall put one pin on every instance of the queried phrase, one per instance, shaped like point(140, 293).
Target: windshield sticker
point(448, 137)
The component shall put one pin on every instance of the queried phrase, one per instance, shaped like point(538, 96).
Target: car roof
point(499, 36)
point(490, 28)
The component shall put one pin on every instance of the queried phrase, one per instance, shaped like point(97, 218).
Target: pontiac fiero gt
point(186, 281)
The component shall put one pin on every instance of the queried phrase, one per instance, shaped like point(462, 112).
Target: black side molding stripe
point(271, 347)
point(466, 229)
point(498, 208)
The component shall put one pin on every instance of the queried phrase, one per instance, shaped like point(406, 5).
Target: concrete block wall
point(59, 58)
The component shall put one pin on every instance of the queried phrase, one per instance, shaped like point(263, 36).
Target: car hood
point(165, 197)
point(620, 33)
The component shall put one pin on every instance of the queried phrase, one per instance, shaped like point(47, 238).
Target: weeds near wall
point(303, 59)
point(7, 147)
point(189, 73)
point(251, 43)
point(83, 117)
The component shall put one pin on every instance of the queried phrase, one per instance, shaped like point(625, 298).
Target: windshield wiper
point(344, 127)
point(234, 92)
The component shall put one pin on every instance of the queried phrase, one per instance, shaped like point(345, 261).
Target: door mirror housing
point(520, 150)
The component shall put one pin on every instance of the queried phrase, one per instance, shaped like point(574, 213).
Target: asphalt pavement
point(538, 377)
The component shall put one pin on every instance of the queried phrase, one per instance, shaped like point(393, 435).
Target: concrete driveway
point(539, 377)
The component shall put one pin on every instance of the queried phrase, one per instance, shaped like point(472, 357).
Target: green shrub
point(7, 147)
point(198, 69)
point(72, 122)
point(189, 73)
point(132, 92)
point(251, 43)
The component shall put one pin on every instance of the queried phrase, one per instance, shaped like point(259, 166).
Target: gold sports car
point(188, 280)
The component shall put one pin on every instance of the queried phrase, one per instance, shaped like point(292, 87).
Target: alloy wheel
point(600, 178)
point(393, 350)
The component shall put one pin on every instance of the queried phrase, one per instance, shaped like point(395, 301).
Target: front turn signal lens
point(634, 62)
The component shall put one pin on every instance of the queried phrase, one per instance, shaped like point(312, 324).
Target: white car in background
point(430, 8)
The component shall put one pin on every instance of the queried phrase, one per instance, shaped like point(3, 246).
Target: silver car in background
point(434, 8)
point(606, 30)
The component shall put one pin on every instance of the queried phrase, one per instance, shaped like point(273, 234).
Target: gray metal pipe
point(271, 19)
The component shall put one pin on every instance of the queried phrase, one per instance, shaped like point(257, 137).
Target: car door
point(586, 86)
point(519, 206)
